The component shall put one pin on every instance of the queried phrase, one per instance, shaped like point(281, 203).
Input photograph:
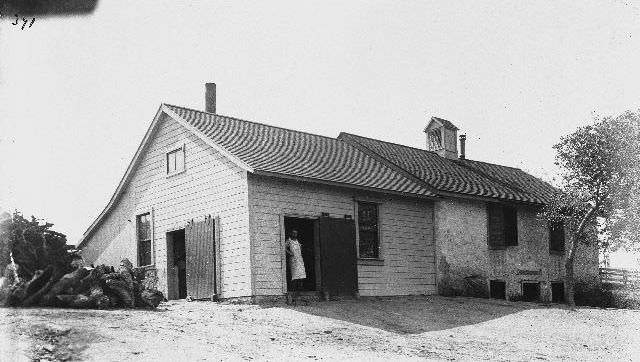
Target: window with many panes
point(143, 228)
point(556, 237)
point(175, 161)
point(368, 234)
point(502, 226)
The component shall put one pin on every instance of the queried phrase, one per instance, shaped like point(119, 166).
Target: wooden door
point(200, 258)
point(338, 256)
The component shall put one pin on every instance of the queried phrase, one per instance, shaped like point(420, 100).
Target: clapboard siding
point(406, 227)
point(211, 185)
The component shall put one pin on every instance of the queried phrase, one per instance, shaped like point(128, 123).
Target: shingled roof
point(285, 152)
point(464, 177)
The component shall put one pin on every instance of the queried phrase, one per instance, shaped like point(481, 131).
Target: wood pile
point(101, 287)
point(44, 271)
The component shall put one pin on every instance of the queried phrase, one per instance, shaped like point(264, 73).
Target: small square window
point(175, 161)
point(497, 289)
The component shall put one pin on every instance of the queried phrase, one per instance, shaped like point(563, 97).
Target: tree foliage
point(35, 246)
point(600, 182)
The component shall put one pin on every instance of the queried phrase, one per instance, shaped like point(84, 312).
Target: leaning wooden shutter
point(495, 219)
point(200, 257)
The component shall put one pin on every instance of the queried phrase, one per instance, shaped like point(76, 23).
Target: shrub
point(608, 296)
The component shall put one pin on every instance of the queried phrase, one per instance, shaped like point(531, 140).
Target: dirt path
point(421, 328)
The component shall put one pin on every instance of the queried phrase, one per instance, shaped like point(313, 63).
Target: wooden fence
point(620, 276)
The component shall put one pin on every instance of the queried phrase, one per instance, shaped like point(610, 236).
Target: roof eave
point(147, 138)
point(123, 181)
point(343, 185)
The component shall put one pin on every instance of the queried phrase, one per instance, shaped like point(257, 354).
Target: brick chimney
point(442, 138)
point(210, 97)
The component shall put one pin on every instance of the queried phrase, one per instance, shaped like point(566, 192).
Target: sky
point(78, 93)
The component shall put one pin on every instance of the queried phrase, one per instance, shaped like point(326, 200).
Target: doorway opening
point(530, 291)
point(310, 252)
point(176, 265)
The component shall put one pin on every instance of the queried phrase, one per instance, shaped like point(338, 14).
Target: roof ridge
point(391, 143)
point(432, 152)
point(489, 163)
point(252, 122)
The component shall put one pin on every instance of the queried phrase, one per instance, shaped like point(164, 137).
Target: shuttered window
point(502, 226)
point(143, 228)
point(369, 243)
point(556, 237)
point(510, 226)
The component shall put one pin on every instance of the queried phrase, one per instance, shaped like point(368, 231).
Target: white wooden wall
point(406, 231)
point(211, 185)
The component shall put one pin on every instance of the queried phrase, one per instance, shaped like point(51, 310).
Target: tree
point(5, 225)
point(35, 246)
point(600, 187)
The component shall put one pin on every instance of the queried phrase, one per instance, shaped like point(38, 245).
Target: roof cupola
point(442, 137)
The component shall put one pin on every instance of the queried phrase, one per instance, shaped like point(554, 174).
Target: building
point(208, 199)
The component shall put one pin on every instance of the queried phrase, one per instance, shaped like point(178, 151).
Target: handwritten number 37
point(25, 21)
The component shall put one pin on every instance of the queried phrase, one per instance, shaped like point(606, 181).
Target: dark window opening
point(557, 292)
point(502, 226)
point(369, 243)
point(143, 230)
point(556, 237)
point(530, 291)
point(497, 289)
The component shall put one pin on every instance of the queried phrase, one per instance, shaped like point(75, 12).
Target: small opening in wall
point(557, 292)
point(497, 289)
point(530, 291)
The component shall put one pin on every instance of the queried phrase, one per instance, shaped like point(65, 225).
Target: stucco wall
point(462, 251)
point(210, 185)
point(406, 235)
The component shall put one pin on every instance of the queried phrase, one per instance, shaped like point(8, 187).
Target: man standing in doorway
point(296, 263)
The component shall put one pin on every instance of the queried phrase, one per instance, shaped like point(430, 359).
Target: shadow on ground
point(410, 315)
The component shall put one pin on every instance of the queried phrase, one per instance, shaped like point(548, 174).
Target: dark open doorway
point(310, 252)
point(176, 265)
point(530, 291)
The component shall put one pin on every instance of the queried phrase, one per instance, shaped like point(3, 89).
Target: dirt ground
point(411, 328)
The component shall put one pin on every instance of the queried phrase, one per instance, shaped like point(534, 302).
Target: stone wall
point(466, 265)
